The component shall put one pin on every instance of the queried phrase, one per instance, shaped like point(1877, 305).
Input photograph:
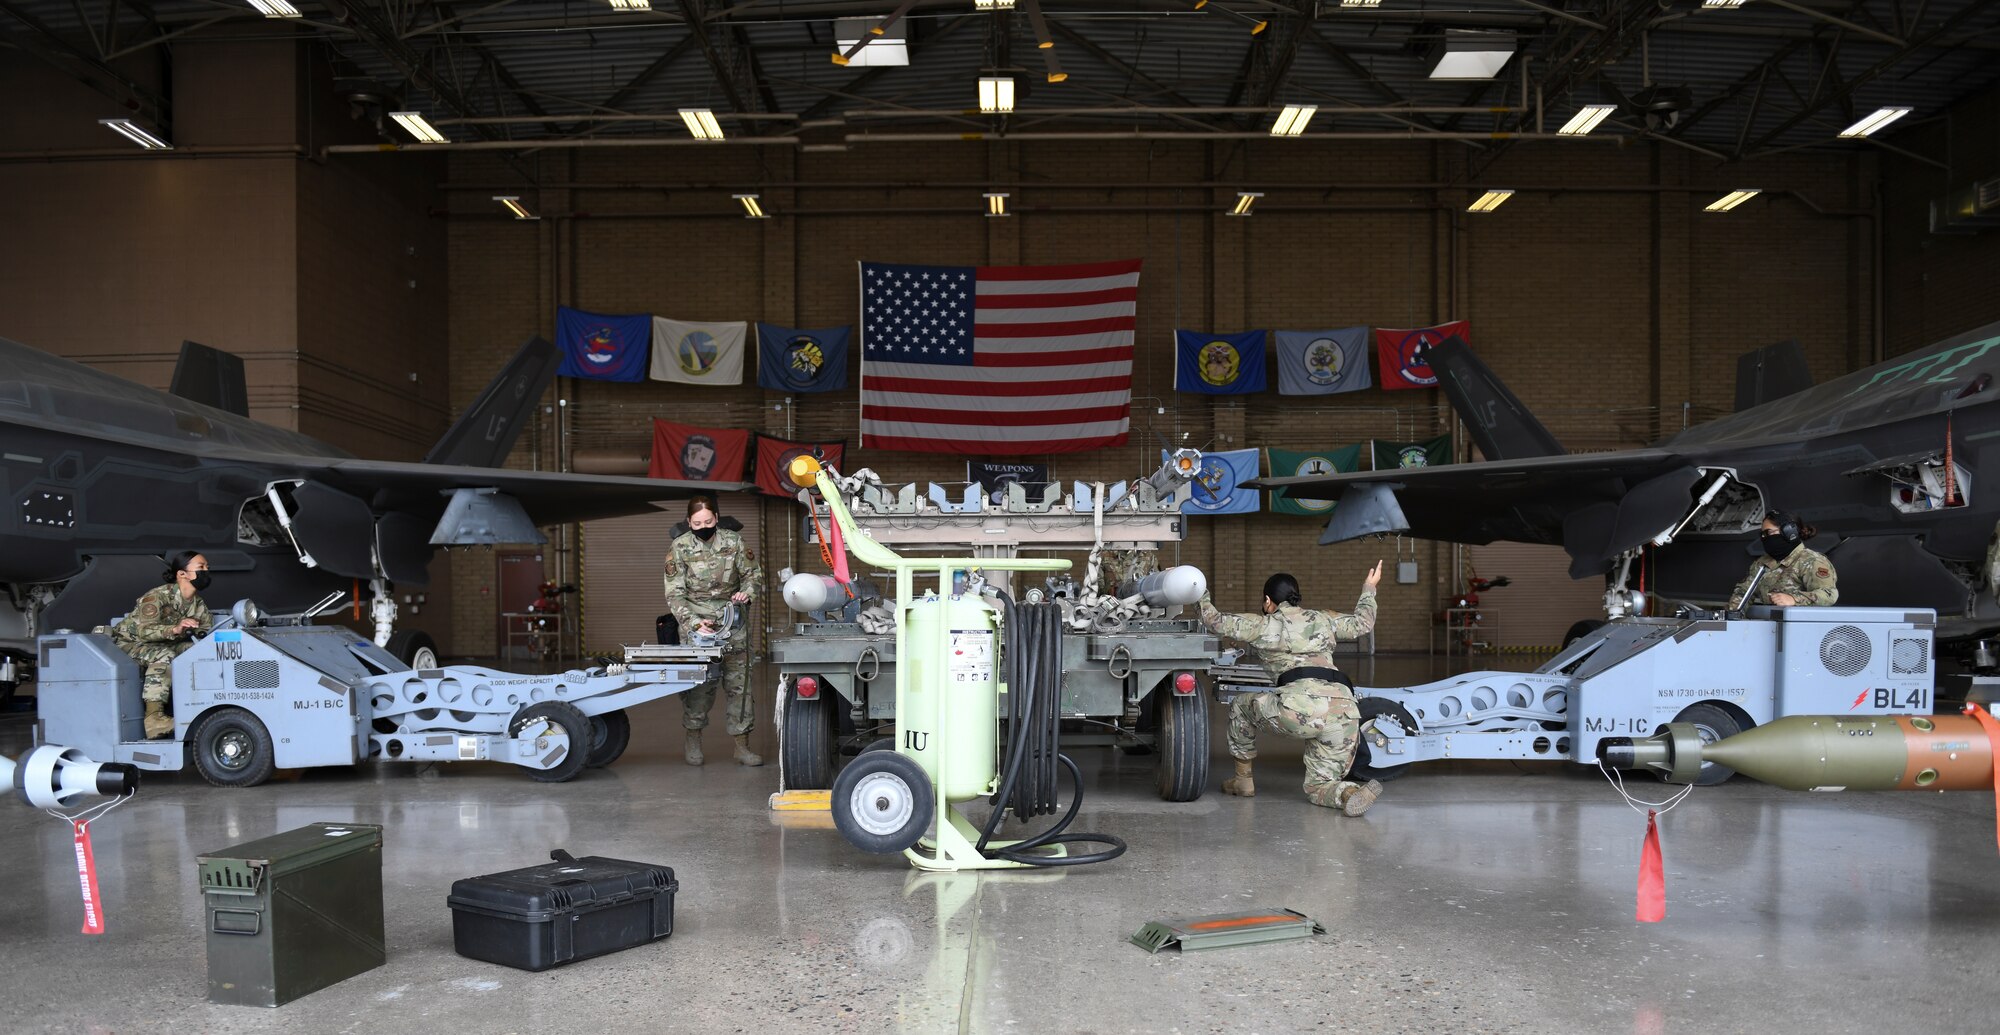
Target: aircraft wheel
point(882, 802)
point(1181, 732)
point(609, 735)
point(414, 648)
point(1712, 722)
point(550, 719)
point(1373, 708)
point(233, 749)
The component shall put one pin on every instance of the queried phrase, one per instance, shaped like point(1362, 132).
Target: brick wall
point(1604, 295)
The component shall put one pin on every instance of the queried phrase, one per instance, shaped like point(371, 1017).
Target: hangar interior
point(243, 176)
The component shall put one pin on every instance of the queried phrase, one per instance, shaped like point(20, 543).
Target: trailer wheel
point(1582, 629)
point(1364, 767)
point(1713, 722)
point(807, 745)
point(609, 735)
point(1181, 732)
point(882, 802)
point(555, 718)
point(233, 749)
point(414, 648)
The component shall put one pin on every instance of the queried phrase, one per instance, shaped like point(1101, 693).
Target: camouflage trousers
point(1330, 724)
point(158, 659)
point(735, 680)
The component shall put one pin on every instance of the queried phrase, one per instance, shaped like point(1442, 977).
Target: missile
point(808, 592)
point(1825, 753)
point(1183, 584)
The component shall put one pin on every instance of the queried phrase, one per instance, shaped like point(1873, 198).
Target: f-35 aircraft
point(1886, 461)
point(101, 477)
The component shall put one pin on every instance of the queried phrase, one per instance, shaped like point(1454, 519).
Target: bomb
point(1825, 753)
point(807, 592)
point(1184, 584)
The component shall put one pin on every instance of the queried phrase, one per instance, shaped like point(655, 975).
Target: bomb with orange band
point(1827, 753)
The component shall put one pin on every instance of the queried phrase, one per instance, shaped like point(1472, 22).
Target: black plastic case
point(562, 911)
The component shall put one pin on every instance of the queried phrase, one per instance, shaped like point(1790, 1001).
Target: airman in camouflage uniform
point(1318, 710)
point(166, 621)
point(1794, 575)
point(1122, 566)
point(704, 575)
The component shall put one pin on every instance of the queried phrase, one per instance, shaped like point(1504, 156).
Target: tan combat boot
point(745, 756)
point(693, 747)
point(1241, 785)
point(1358, 799)
point(158, 724)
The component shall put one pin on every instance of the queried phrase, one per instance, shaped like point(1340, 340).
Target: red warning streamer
point(1652, 875)
point(86, 873)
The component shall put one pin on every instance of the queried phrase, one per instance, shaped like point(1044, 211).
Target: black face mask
point(200, 581)
point(1778, 547)
point(704, 534)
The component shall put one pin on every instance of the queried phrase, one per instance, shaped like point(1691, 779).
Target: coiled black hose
point(1032, 667)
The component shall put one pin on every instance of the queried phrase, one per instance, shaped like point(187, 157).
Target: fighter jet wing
point(1529, 500)
point(549, 497)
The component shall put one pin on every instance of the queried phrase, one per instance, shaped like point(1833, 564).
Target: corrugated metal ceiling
point(571, 58)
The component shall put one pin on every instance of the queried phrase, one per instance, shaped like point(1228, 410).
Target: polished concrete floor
point(1475, 897)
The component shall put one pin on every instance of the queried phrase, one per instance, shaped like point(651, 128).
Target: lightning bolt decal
point(1858, 698)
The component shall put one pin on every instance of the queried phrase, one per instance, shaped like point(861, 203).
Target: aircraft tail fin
point(486, 431)
point(1499, 423)
point(1770, 373)
point(211, 377)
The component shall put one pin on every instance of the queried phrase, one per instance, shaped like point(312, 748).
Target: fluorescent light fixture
point(996, 203)
point(414, 124)
point(275, 8)
point(996, 93)
point(1292, 121)
point(751, 210)
point(137, 134)
point(1715, 5)
point(1245, 199)
point(885, 46)
point(1360, 3)
point(1881, 118)
point(513, 203)
point(701, 123)
point(631, 5)
point(1470, 55)
point(992, 5)
point(1491, 200)
point(1586, 119)
point(1732, 199)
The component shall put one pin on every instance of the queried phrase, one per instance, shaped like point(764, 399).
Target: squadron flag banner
point(1288, 464)
point(774, 456)
point(602, 347)
point(995, 475)
point(1217, 487)
point(1392, 455)
point(1322, 362)
point(1219, 364)
point(685, 452)
point(997, 360)
point(1404, 364)
point(792, 360)
point(698, 353)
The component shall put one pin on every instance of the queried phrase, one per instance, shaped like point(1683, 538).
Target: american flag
point(997, 360)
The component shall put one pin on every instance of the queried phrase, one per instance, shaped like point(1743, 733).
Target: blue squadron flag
point(1323, 362)
point(801, 361)
point(1218, 485)
point(1219, 364)
point(606, 348)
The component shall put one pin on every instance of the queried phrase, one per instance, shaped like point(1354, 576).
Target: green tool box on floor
point(292, 913)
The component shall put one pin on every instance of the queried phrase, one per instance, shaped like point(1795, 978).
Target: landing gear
point(413, 648)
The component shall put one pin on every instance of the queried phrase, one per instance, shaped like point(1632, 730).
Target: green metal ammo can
point(292, 913)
